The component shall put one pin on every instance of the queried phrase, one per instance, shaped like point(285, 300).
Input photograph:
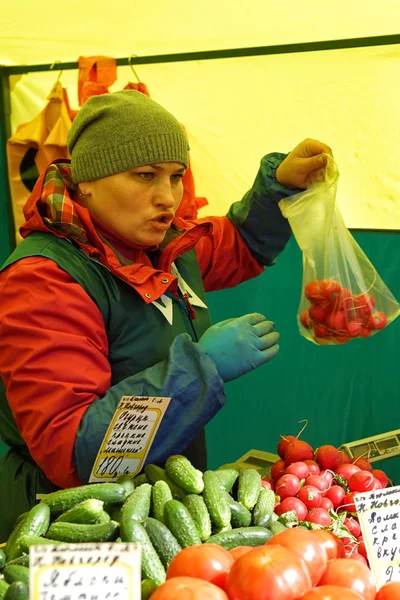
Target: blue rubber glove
point(239, 345)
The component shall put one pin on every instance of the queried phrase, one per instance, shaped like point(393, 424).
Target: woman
point(105, 297)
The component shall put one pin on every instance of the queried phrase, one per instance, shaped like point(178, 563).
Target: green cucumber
point(147, 588)
point(2, 558)
point(17, 591)
point(228, 477)
point(160, 494)
point(249, 488)
point(34, 540)
point(215, 499)
point(165, 543)
point(200, 515)
point(3, 588)
point(127, 482)
point(139, 479)
point(184, 474)
point(104, 517)
point(87, 512)
point(152, 567)
point(137, 505)
point(16, 573)
point(155, 473)
point(240, 516)
point(179, 521)
point(264, 508)
point(62, 500)
point(221, 529)
point(276, 526)
point(75, 532)
point(21, 560)
point(242, 536)
point(36, 522)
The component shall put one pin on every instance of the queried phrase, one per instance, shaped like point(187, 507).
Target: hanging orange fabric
point(138, 87)
point(34, 145)
point(96, 75)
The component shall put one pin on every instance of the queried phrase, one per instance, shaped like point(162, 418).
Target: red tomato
point(331, 592)
point(239, 551)
point(209, 562)
point(352, 574)
point(188, 588)
point(390, 591)
point(306, 547)
point(332, 545)
point(268, 573)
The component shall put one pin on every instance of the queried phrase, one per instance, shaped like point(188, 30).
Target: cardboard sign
point(129, 437)
point(379, 516)
point(108, 571)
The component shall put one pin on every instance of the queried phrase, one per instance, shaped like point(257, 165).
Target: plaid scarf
point(57, 208)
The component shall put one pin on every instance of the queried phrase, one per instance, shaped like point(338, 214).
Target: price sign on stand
point(129, 437)
point(85, 572)
point(379, 516)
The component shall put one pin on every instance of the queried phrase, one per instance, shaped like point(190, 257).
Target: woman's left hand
point(304, 164)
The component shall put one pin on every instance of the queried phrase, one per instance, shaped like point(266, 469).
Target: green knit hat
point(120, 131)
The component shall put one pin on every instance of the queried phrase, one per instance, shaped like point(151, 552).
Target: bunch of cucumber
point(163, 509)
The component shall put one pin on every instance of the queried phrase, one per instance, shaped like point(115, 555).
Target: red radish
point(354, 328)
point(267, 483)
point(287, 485)
point(346, 470)
point(293, 504)
point(305, 319)
point(313, 293)
point(317, 481)
point(362, 481)
point(348, 504)
point(321, 331)
point(381, 475)
point(378, 320)
point(365, 332)
point(327, 475)
point(364, 304)
point(298, 451)
point(337, 321)
point(377, 484)
point(326, 503)
point(363, 463)
point(335, 494)
point(283, 444)
point(313, 467)
point(361, 546)
point(351, 552)
point(327, 457)
point(277, 469)
point(319, 312)
point(353, 526)
point(330, 289)
point(300, 469)
point(343, 458)
point(310, 496)
point(319, 516)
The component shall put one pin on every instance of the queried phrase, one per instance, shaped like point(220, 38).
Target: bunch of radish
point(319, 484)
point(335, 314)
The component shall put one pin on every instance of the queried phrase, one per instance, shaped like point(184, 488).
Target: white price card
point(379, 516)
point(129, 437)
point(85, 571)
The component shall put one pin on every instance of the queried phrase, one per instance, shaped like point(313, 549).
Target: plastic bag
point(343, 298)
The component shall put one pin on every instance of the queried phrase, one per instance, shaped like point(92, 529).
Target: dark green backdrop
point(345, 392)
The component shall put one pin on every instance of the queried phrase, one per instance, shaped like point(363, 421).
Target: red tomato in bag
point(188, 588)
point(268, 573)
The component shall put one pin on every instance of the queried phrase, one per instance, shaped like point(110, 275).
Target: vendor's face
point(138, 204)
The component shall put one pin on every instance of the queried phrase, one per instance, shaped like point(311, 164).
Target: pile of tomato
point(294, 564)
point(336, 315)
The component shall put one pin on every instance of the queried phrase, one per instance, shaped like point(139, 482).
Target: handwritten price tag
point(85, 572)
point(129, 437)
point(379, 516)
